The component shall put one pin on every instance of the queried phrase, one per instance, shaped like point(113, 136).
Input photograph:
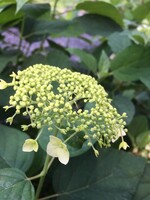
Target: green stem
point(70, 136)
point(48, 162)
point(54, 9)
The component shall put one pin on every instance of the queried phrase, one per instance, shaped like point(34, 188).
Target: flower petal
point(52, 150)
point(56, 148)
point(30, 145)
point(120, 133)
point(63, 155)
point(3, 84)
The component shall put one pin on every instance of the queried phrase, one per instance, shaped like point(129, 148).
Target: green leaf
point(103, 64)
point(86, 58)
point(123, 104)
point(57, 28)
point(53, 58)
point(138, 37)
point(142, 11)
point(20, 4)
point(142, 191)
point(40, 10)
point(146, 80)
point(5, 94)
point(77, 147)
point(101, 8)
point(14, 185)
point(114, 175)
point(119, 41)
point(94, 24)
point(11, 142)
point(58, 58)
point(8, 15)
point(133, 63)
point(143, 139)
point(5, 59)
point(138, 125)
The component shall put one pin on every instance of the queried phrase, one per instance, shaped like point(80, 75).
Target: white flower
point(56, 148)
point(30, 145)
point(120, 133)
point(3, 84)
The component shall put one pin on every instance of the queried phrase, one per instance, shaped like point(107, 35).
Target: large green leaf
point(113, 175)
point(86, 58)
point(14, 185)
point(95, 24)
point(36, 10)
point(143, 191)
point(57, 28)
point(11, 142)
point(101, 8)
point(133, 63)
point(142, 11)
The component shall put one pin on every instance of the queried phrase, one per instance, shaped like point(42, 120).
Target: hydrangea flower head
point(69, 101)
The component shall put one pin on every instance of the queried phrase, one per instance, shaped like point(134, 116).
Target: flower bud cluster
point(51, 96)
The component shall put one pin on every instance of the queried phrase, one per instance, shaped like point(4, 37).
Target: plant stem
point(47, 164)
point(54, 9)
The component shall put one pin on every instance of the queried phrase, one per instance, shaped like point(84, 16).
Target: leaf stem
point(47, 164)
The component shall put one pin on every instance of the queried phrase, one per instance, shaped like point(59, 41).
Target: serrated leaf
point(113, 175)
point(101, 8)
point(132, 63)
point(86, 58)
point(11, 142)
point(14, 185)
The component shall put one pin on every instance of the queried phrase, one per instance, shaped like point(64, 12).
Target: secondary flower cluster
point(66, 100)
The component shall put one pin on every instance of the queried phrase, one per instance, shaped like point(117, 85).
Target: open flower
point(30, 145)
point(56, 148)
point(3, 84)
point(120, 133)
point(123, 145)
